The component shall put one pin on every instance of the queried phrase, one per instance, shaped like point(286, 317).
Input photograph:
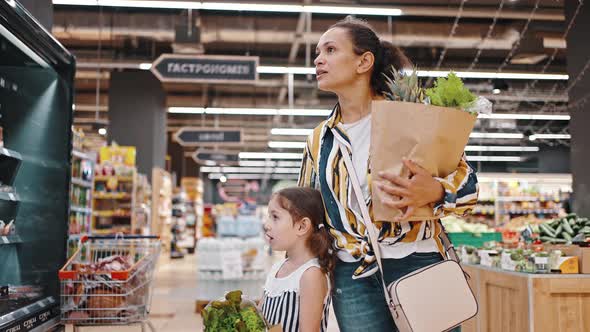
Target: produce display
point(568, 229)
point(457, 225)
point(233, 314)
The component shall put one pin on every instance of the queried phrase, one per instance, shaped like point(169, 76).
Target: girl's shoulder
point(275, 285)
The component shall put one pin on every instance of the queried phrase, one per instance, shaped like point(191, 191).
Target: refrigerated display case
point(36, 98)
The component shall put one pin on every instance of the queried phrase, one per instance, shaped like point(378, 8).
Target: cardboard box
point(583, 255)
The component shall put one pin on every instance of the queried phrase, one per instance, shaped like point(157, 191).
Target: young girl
point(297, 290)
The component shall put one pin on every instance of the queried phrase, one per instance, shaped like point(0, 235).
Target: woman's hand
point(419, 190)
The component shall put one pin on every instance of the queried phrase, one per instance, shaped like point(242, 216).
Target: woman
point(351, 62)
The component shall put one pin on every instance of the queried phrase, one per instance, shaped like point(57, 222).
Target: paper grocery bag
point(434, 137)
point(275, 328)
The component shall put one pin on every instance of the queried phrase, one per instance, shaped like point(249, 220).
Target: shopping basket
point(108, 280)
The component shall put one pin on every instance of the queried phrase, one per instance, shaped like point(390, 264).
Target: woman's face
point(335, 63)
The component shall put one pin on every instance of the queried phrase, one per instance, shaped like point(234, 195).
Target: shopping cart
point(109, 281)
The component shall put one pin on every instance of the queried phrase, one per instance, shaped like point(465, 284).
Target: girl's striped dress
point(280, 304)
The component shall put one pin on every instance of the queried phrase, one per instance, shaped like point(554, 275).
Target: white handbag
point(434, 298)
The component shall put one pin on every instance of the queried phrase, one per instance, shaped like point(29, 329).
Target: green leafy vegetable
point(229, 316)
point(450, 92)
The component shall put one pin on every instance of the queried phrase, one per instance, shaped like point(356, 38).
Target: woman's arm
point(307, 173)
point(457, 193)
point(313, 288)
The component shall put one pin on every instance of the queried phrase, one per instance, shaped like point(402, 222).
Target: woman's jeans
point(360, 304)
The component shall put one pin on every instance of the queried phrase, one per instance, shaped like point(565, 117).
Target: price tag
point(231, 265)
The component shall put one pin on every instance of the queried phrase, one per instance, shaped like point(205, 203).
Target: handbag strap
point(372, 229)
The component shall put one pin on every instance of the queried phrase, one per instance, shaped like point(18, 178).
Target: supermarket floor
point(173, 305)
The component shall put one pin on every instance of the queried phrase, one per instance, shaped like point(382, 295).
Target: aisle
point(173, 305)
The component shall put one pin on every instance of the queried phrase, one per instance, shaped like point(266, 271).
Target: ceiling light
point(501, 148)
point(549, 136)
point(249, 111)
point(495, 158)
point(252, 7)
point(270, 155)
point(245, 176)
point(496, 91)
point(492, 75)
point(286, 145)
point(264, 163)
point(281, 170)
point(186, 110)
point(285, 70)
point(553, 117)
point(223, 179)
point(248, 7)
point(145, 66)
point(497, 135)
point(241, 111)
point(102, 131)
point(352, 10)
point(305, 112)
point(291, 131)
point(132, 3)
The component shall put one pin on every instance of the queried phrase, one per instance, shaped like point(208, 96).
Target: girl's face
point(336, 63)
point(280, 230)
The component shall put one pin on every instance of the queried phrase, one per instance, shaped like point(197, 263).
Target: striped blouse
point(323, 168)
point(280, 304)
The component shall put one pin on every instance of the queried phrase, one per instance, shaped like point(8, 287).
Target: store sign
point(174, 68)
point(192, 136)
point(219, 157)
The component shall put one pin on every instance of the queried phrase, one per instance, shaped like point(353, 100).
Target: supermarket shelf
point(12, 197)
point(100, 195)
point(110, 214)
point(76, 236)
point(487, 213)
point(80, 209)
point(11, 239)
point(118, 178)
point(526, 199)
point(81, 183)
point(80, 155)
point(9, 164)
point(543, 211)
point(114, 230)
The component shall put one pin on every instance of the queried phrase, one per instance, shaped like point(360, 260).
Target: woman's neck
point(355, 103)
point(299, 254)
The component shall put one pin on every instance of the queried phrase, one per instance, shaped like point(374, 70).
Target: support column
point(137, 117)
point(578, 53)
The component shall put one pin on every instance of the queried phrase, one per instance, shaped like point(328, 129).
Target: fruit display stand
point(514, 301)
point(162, 207)
point(507, 196)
